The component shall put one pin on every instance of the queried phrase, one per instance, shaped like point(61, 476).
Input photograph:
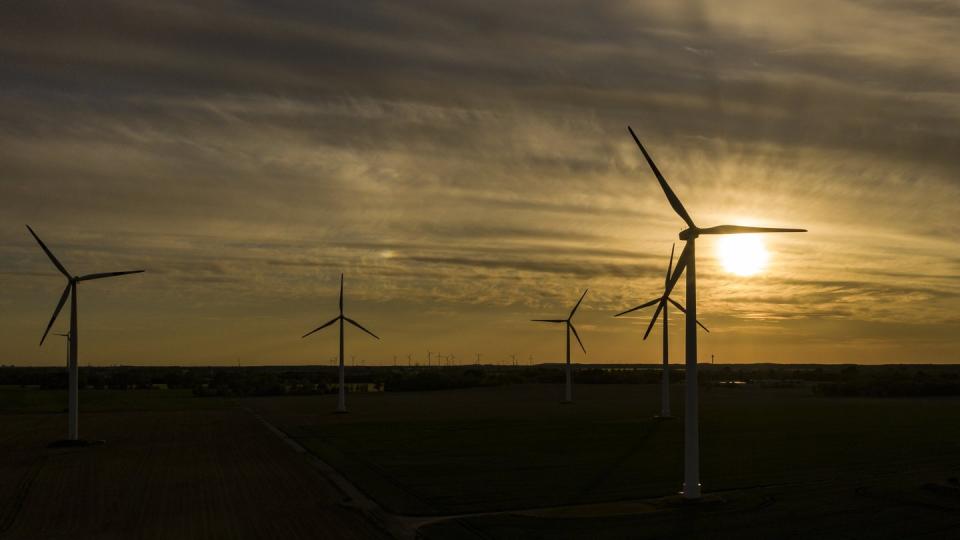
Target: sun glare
point(742, 254)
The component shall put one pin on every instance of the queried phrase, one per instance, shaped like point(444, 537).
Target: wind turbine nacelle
point(687, 234)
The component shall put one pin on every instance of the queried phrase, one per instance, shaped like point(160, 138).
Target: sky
point(467, 166)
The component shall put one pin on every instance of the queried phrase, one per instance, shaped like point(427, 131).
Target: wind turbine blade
point(324, 325)
point(670, 265)
point(739, 229)
point(671, 196)
point(678, 306)
point(574, 328)
point(341, 294)
point(63, 299)
point(355, 323)
point(549, 320)
point(574, 310)
point(678, 270)
point(654, 319)
point(88, 277)
point(675, 303)
point(641, 306)
point(49, 253)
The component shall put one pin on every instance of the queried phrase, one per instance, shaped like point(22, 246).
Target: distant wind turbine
point(662, 305)
point(342, 397)
point(71, 291)
point(688, 262)
point(569, 324)
point(67, 336)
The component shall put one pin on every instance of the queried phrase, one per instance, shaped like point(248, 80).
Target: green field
point(16, 400)
point(516, 447)
point(173, 466)
point(784, 462)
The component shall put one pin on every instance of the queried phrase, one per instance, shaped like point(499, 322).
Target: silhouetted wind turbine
point(688, 261)
point(342, 397)
point(71, 291)
point(570, 327)
point(662, 301)
point(67, 335)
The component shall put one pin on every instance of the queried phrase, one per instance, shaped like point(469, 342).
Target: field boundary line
point(390, 523)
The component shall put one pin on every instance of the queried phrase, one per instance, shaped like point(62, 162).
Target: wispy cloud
point(471, 159)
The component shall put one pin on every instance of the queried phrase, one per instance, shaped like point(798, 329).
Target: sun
point(742, 254)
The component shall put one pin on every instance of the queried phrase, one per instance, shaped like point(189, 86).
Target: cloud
point(460, 154)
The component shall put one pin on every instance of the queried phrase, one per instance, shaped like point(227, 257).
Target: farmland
point(783, 459)
point(173, 466)
point(501, 461)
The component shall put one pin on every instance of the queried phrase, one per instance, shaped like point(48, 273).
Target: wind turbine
point(569, 322)
point(342, 397)
point(71, 291)
point(67, 335)
point(662, 305)
point(688, 262)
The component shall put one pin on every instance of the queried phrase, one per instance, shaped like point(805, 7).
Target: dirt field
point(181, 473)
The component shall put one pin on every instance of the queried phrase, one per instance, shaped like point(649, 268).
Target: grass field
point(786, 463)
point(173, 466)
point(34, 400)
point(516, 447)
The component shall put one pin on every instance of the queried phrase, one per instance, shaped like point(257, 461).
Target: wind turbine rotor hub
point(688, 234)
